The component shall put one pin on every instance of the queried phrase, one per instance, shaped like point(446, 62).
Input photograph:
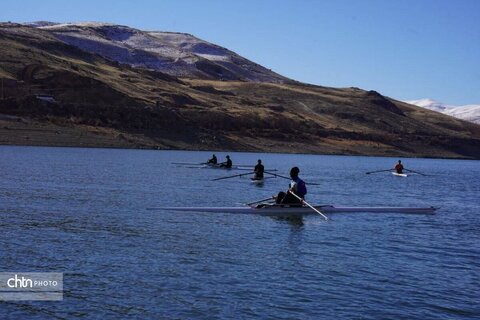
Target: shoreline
point(18, 131)
point(229, 151)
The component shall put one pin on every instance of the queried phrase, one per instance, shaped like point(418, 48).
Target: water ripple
point(82, 212)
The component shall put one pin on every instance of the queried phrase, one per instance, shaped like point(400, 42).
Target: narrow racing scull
point(403, 175)
point(296, 210)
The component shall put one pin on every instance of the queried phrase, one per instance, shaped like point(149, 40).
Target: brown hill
point(98, 102)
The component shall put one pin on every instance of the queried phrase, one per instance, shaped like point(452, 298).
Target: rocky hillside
point(54, 93)
point(177, 54)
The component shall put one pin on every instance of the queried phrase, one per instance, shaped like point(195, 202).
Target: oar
point(277, 175)
point(237, 175)
point(284, 177)
point(379, 171)
point(308, 204)
point(266, 199)
point(416, 172)
point(189, 163)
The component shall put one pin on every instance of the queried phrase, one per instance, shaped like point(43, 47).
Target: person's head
point(294, 172)
point(228, 157)
point(259, 161)
point(399, 161)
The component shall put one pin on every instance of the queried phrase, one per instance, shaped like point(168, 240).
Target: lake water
point(83, 212)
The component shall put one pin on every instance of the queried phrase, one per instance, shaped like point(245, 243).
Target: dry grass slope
point(104, 103)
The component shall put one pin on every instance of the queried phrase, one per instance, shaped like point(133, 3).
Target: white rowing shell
point(277, 210)
point(400, 174)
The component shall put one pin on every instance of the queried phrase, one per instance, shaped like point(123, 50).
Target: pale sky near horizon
point(404, 49)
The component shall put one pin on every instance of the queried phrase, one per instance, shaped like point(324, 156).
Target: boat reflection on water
point(295, 220)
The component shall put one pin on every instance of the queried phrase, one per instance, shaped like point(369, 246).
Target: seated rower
point(213, 160)
point(258, 170)
point(399, 167)
point(296, 186)
point(227, 164)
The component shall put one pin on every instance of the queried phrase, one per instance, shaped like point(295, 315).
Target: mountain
point(469, 112)
point(55, 93)
point(177, 54)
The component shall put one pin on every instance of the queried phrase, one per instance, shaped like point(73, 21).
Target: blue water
point(83, 212)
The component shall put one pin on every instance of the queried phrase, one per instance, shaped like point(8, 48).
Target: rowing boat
point(286, 210)
point(257, 181)
point(261, 180)
point(404, 175)
point(218, 166)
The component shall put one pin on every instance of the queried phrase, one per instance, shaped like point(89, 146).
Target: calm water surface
point(83, 212)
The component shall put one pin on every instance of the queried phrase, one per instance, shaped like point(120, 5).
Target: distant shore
point(14, 132)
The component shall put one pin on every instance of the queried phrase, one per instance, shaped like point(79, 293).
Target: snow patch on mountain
point(38, 24)
point(80, 24)
point(469, 112)
point(177, 54)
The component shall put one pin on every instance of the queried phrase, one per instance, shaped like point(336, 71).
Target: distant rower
point(213, 160)
point(399, 167)
point(259, 169)
point(227, 164)
point(296, 186)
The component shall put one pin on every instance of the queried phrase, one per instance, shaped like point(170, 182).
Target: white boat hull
point(403, 175)
point(260, 181)
point(276, 210)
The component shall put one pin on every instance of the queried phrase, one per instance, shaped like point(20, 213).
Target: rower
point(258, 170)
point(227, 164)
point(296, 186)
point(213, 160)
point(399, 167)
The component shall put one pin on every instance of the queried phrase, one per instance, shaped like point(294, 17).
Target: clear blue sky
point(405, 49)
